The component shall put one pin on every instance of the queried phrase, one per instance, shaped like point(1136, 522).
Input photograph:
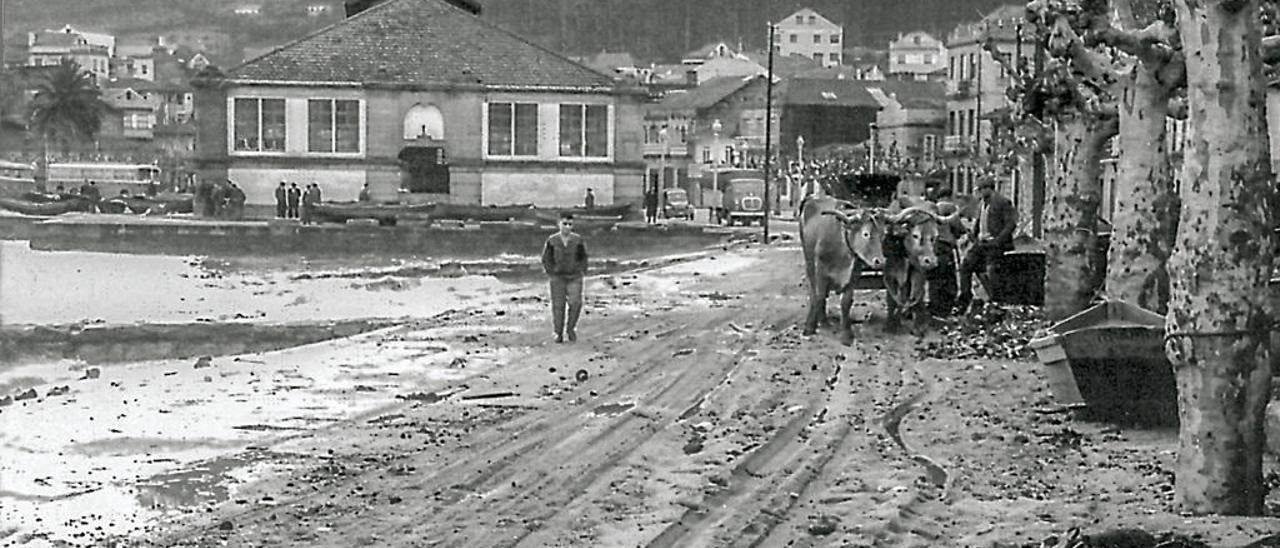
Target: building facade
point(808, 34)
point(495, 120)
point(976, 84)
point(825, 112)
point(682, 138)
point(916, 55)
point(92, 51)
point(909, 128)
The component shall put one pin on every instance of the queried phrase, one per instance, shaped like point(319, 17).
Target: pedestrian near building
point(309, 197)
point(996, 222)
point(235, 201)
point(315, 188)
point(364, 193)
point(651, 205)
point(294, 199)
point(590, 201)
point(564, 258)
point(218, 198)
point(282, 200)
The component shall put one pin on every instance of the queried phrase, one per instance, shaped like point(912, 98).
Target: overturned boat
point(1110, 359)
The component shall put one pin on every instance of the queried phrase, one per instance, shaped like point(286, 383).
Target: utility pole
point(1037, 159)
point(768, 136)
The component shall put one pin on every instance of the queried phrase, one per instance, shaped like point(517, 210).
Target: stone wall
point(264, 238)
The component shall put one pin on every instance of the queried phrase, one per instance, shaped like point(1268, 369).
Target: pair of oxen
point(841, 239)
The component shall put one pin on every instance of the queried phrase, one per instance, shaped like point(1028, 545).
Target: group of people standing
point(297, 203)
point(991, 238)
point(219, 199)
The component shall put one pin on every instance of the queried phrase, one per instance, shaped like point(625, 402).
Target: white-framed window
point(584, 131)
point(333, 126)
point(259, 124)
point(512, 129)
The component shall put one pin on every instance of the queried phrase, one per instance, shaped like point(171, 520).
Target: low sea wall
point(130, 343)
point(131, 234)
point(17, 227)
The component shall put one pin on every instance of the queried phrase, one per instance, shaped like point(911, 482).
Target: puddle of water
point(204, 483)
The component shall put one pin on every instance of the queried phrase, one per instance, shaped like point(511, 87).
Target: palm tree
point(67, 108)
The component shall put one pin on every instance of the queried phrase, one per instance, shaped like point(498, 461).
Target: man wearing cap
point(564, 258)
point(996, 221)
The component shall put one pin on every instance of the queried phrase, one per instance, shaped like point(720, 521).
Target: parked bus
point(16, 178)
point(110, 177)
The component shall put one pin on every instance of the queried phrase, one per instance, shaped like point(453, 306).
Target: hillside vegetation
point(650, 29)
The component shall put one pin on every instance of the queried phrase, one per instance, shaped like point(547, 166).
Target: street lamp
point(715, 165)
point(800, 160)
point(875, 137)
point(662, 170)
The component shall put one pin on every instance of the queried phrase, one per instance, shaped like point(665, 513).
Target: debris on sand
point(823, 525)
point(995, 331)
point(203, 362)
point(91, 373)
point(1117, 538)
point(30, 394)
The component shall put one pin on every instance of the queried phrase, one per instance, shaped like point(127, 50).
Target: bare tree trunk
point(1219, 311)
point(1071, 216)
point(1145, 214)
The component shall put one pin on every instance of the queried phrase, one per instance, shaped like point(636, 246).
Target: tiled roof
point(703, 96)
point(420, 43)
point(913, 94)
point(828, 92)
point(56, 39)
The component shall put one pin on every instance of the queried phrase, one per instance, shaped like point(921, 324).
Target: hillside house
point(808, 34)
point(916, 56)
point(424, 100)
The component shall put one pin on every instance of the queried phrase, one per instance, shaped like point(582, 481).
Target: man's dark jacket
point(564, 257)
point(1001, 221)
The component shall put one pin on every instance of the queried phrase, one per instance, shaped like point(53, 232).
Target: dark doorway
point(424, 170)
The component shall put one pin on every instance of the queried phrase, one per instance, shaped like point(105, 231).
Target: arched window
point(423, 121)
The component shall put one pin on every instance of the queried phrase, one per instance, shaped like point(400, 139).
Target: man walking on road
point(564, 258)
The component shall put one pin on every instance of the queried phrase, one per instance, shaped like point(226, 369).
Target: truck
point(737, 195)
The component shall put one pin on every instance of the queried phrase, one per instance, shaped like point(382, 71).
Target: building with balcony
point(425, 101)
point(909, 130)
point(808, 34)
point(916, 56)
point(975, 93)
point(92, 51)
point(680, 137)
